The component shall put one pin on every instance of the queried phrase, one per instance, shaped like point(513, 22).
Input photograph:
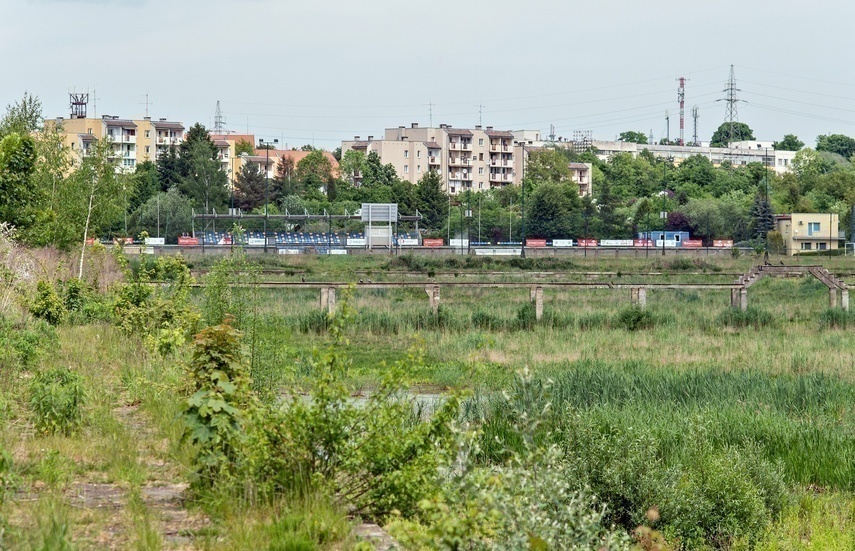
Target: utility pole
point(664, 214)
point(266, 146)
point(219, 120)
point(731, 116)
point(681, 99)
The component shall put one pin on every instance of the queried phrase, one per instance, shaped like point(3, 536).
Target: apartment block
point(227, 152)
point(476, 159)
point(479, 158)
point(132, 141)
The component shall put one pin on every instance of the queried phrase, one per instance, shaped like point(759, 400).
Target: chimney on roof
point(115, 117)
point(370, 138)
point(146, 118)
point(489, 128)
point(162, 119)
point(478, 127)
point(414, 125)
point(105, 117)
point(356, 138)
point(400, 127)
point(403, 138)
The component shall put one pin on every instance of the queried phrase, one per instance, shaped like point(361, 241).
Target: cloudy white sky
point(320, 72)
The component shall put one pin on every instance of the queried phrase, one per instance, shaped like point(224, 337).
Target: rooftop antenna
point(430, 115)
point(95, 99)
point(650, 137)
point(147, 103)
point(480, 113)
point(219, 120)
point(551, 132)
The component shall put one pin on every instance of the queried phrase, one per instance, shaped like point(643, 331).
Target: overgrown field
point(149, 416)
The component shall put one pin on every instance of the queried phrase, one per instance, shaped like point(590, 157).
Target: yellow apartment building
point(133, 141)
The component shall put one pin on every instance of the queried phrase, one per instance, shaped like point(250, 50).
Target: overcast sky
point(322, 71)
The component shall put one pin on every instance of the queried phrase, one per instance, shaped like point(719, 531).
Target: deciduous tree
point(633, 137)
point(727, 133)
point(22, 117)
point(204, 183)
point(553, 211)
point(17, 164)
point(791, 142)
point(836, 143)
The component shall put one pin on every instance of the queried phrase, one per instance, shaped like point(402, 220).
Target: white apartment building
point(738, 154)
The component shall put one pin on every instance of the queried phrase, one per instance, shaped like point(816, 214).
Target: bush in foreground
point(56, 399)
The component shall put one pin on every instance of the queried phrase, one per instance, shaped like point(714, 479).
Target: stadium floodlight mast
point(522, 201)
point(266, 145)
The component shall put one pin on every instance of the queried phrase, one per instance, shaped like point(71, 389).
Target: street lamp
point(468, 224)
point(664, 215)
point(266, 145)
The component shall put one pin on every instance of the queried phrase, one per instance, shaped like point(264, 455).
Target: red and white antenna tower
point(681, 98)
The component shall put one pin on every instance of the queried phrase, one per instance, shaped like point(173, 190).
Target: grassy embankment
point(693, 379)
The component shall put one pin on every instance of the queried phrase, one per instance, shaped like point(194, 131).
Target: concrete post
point(538, 303)
point(743, 299)
point(433, 297)
point(734, 298)
point(532, 294)
point(331, 300)
point(325, 298)
point(642, 297)
point(633, 295)
point(844, 299)
point(832, 297)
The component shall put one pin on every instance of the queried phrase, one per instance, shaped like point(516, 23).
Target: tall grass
point(806, 423)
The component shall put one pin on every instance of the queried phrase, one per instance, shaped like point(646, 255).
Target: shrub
point(526, 316)
point(374, 457)
point(634, 318)
point(593, 320)
point(213, 415)
point(56, 399)
point(486, 320)
point(160, 315)
point(750, 317)
point(529, 500)
point(22, 344)
point(834, 318)
point(720, 495)
point(47, 305)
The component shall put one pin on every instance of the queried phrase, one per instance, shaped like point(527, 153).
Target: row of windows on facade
point(419, 170)
point(132, 132)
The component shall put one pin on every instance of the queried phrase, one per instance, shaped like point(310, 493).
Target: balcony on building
point(120, 130)
point(168, 132)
